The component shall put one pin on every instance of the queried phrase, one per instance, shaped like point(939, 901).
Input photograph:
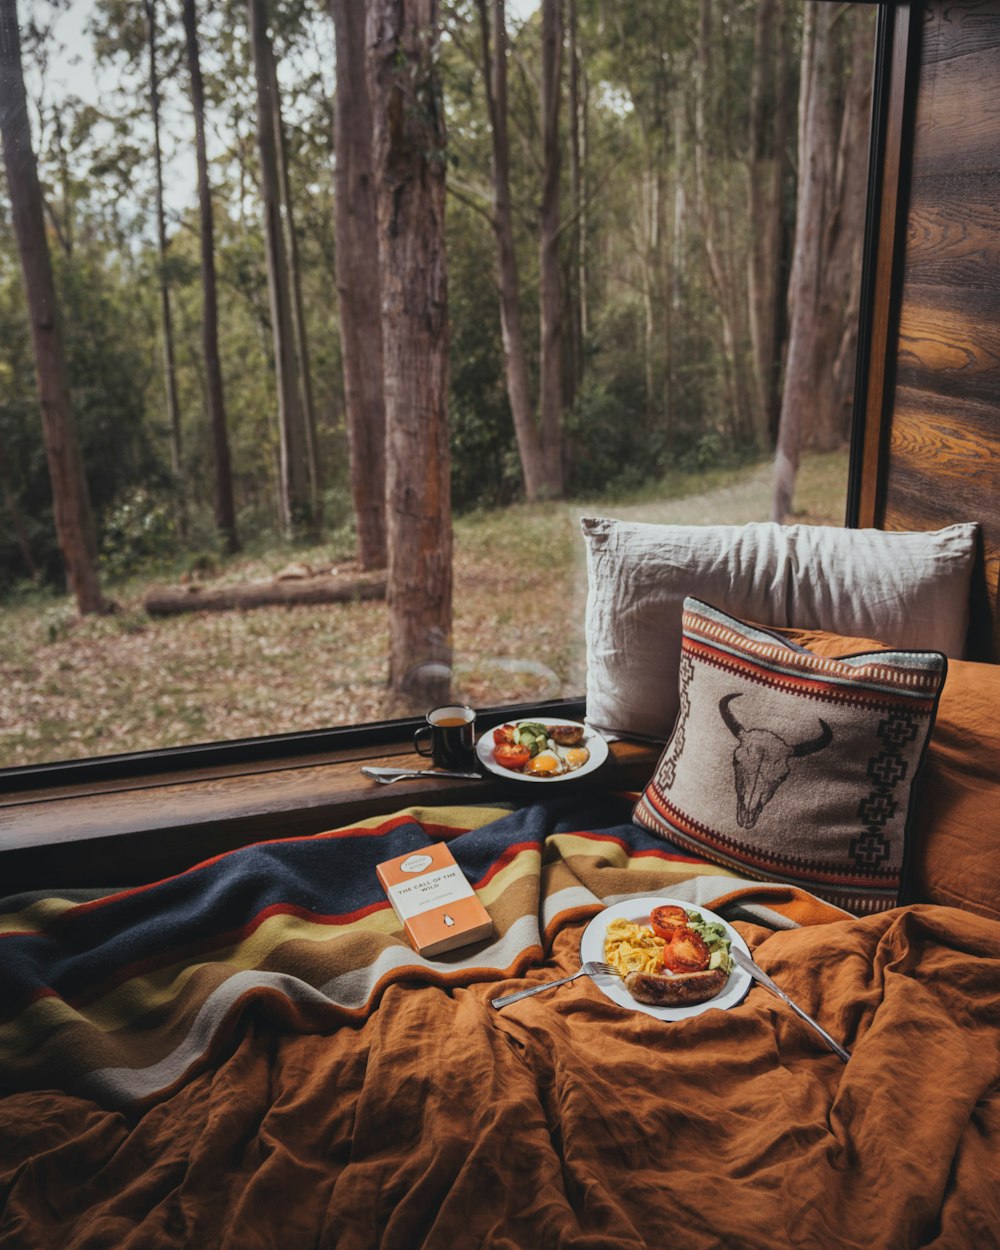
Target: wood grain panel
point(956, 30)
point(939, 470)
point(958, 111)
point(952, 236)
point(947, 347)
point(953, 452)
point(943, 448)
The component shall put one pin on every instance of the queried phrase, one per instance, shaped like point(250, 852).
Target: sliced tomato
point(503, 733)
point(685, 952)
point(664, 920)
point(511, 755)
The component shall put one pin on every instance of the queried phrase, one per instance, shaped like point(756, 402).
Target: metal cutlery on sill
point(760, 975)
point(386, 776)
point(592, 968)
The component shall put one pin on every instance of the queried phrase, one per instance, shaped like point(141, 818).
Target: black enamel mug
point(449, 737)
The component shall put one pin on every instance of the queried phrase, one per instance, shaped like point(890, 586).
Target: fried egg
point(545, 764)
point(574, 757)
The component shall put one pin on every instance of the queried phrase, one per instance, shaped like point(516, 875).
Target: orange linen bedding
point(426, 1118)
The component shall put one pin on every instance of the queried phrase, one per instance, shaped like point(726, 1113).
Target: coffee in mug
point(449, 736)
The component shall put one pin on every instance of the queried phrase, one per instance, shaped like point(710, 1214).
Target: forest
point(277, 270)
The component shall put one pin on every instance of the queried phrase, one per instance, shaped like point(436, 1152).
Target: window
point(671, 299)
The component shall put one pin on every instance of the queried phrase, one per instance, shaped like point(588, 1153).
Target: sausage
point(683, 990)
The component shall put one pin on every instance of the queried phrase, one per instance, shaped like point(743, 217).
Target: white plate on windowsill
point(592, 740)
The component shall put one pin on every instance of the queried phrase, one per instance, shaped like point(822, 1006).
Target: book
point(433, 900)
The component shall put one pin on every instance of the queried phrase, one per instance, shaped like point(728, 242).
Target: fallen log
point(173, 600)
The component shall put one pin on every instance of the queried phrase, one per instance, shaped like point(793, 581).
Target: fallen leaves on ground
point(103, 685)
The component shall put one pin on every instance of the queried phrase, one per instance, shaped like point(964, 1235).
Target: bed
point(250, 1054)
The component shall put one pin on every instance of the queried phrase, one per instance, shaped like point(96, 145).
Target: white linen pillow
point(909, 590)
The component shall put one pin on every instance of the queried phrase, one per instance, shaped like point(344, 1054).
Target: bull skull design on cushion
point(793, 767)
point(762, 761)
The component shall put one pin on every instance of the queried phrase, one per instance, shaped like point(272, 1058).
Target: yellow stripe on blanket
point(615, 855)
point(458, 819)
point(155, 990)
point(36, 916)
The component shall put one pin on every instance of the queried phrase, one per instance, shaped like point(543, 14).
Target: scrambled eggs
point(632, 947)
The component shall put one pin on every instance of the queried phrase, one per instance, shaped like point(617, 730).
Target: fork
point(591, 968)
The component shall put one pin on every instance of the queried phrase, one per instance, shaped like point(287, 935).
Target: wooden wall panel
point(942, 458)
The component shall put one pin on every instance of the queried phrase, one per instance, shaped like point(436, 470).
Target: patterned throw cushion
point(791, 767)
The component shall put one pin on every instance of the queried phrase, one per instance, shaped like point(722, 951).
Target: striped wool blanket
point(121, 995)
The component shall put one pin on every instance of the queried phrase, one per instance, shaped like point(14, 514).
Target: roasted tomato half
point(685, 952)
point(503, 733)
point(511, 755)
point(664, 920)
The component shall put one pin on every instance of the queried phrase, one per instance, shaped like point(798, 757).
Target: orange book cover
point(434, 901)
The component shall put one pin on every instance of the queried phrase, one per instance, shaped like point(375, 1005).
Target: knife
point(397, 774)
point(760, 975)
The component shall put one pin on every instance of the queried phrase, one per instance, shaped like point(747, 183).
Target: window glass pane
point(678, 299)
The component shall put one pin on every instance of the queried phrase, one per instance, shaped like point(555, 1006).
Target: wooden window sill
point(127, 832)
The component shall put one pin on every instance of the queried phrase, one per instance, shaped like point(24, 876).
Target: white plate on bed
point(637, 910)
point(592, 740)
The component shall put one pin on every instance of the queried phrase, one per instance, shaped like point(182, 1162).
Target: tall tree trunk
point(718, 248)
point(844, 233)
point(166, 316)
point(823, 287)
point(529, 443)
point(358, 284)
point(70, 497)
point(577, 270)
point(803, 287)
point(583, 132)
point(647, 240)
point(550, 271)
point(295, 494)
point(678, 257)
point(225, 510)
point(679, 241)
point(409, 166)
point(767, 139)
point(64, 229)
point(299, 331)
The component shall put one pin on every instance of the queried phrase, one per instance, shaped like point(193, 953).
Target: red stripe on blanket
point(652, 852)
point(233, 937)
point(376, 831)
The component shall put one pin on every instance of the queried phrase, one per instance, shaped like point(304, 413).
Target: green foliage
point(648, 391)
point(613, 445)
point(708, 452)
point(138, 534)
point(22, 456)
point(57, 622)
point(485, 471)
point(107, 344)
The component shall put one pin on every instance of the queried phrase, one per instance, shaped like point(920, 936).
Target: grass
point(100, 685)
